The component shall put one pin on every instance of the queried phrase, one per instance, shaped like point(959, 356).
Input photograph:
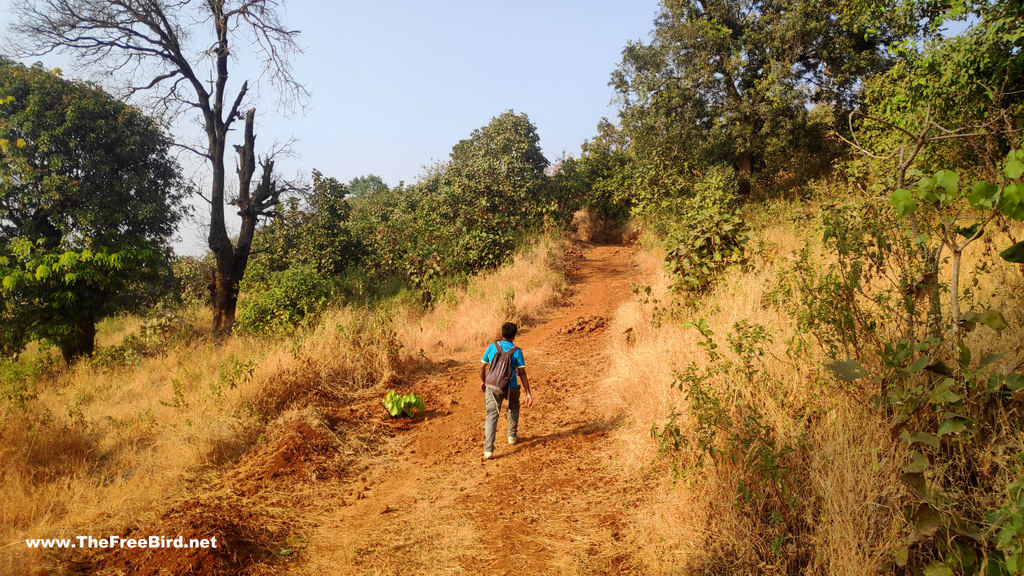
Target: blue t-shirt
point(517, 359)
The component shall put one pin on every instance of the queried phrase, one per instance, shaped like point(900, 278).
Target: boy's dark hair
point(508, 330)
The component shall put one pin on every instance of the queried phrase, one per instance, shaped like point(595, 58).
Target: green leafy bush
point(708, 234)
point(282, 301)
point(192, 279)
point(730, 430)
point(962, 461)
point(402, 405)
point(18, 383)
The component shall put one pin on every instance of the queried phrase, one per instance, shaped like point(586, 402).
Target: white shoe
point(512, 440)
point(487, 455)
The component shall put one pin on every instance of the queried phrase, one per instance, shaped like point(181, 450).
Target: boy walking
point(493, 403)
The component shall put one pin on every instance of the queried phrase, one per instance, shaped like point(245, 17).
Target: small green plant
point(18, 383)
point(234, 373)
point(727, 430)
point(178, 398)
point(402, 405)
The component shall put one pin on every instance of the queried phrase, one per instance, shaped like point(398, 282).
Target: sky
point(396, 83)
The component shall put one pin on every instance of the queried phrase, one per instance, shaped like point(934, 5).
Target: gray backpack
point(499, 374)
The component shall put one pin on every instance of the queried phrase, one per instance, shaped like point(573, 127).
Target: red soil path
point(550, 504)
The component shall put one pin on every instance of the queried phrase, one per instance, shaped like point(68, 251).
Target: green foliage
point(463, 216)
point(56, 295)
point(362, 185)
point(936, 394)
point(89, 196)
point(707, 234)
point(872, 291)
point(597, 179)
point(232, 374)
point(402, 405)
point(314, 234)
point(959, 214)
point(161, 330)
point(192, 279)
point(280, 301)
point(733, 82)
point(952, 419)
point(730, 430)
point(19, 380)
point(177, 401)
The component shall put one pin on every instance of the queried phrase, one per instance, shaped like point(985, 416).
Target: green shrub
point(193, 276)
point(282, 301)
point(19, 379)
point(708, 233)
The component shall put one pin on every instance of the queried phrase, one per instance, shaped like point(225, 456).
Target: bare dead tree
point(179, 52)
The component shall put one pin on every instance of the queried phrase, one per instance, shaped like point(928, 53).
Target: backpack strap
point(498, 349)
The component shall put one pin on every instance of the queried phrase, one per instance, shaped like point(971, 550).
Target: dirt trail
point(551, 504)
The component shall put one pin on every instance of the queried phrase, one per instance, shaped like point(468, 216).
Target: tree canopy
point(158, 47)
point(90, 196)
point(724, 81)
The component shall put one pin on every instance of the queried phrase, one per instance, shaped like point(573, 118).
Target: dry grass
point(106, 445)
point(522, 292)
point(103, 448)
point(845, 476)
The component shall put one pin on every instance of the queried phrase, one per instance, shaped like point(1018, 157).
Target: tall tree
point(368, 184)
point(494, 187)
point(89, 198)
point(158, 47)
point(732, 81)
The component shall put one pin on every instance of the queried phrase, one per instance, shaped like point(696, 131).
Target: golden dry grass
point(106, 444)
point(522, 292)
point(846, 477)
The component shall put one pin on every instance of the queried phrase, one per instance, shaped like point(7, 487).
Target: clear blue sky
point(396, 83)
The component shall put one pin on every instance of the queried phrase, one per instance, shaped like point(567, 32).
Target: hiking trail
point(434, 506)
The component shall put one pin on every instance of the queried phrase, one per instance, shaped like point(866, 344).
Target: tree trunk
point(82, 342)
point(225, 293)
point(744, 170)
point(233, 260)
point(225, 301)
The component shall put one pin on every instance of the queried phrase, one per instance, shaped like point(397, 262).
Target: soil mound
point(584, 324)
point(249, 531)
point(240, 542)
point(301, 446)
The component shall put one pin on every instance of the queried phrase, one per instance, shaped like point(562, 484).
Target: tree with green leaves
point(495, 188)
point(598, 178)
point(313, 234)
point(180, 52)
point(463, 215)
point(368, 184)
point(90, 196)
point(725, 81)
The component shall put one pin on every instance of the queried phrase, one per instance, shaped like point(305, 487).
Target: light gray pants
point(493, 408)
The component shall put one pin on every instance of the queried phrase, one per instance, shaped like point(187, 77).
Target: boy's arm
point(521, 373)
point(483, 368)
